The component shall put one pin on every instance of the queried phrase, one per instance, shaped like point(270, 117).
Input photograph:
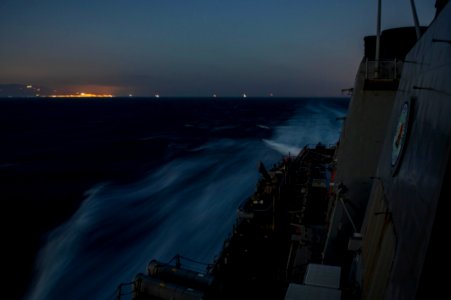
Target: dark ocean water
point(95, 189)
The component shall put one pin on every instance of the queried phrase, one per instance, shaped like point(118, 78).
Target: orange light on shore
point(83, 95)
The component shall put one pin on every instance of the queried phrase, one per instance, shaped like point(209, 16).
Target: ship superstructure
point(395, 182)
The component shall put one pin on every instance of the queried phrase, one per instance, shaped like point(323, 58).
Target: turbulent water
point(161, 177)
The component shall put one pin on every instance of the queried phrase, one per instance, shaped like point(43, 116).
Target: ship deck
point(279, 230)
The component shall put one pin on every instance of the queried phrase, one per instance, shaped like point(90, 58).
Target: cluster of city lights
point(82, 95)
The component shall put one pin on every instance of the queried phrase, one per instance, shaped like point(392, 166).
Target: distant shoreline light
point(82, 95)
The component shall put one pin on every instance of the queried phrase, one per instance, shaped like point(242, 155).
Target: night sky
point(192, 47)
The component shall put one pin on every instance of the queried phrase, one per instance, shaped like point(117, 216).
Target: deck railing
point(383, 69)
point(125, 291)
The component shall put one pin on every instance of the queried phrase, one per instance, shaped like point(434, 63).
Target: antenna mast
point(415, 19)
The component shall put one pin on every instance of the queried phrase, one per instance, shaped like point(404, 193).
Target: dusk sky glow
point(193, 47)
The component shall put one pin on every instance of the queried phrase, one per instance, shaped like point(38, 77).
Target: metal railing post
point(366, 69)
point(396, 69)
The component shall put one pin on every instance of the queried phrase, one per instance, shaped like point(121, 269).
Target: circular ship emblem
point(400, 136)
